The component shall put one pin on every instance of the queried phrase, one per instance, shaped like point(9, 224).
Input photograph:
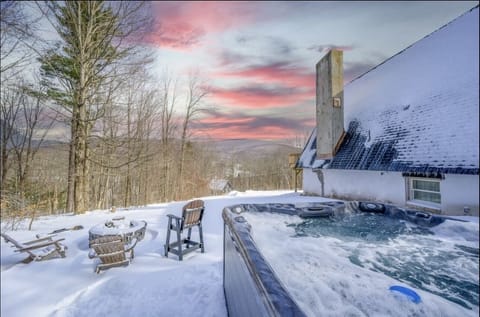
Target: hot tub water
point(408, 253)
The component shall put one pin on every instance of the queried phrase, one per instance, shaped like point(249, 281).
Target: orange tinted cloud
point(217, 120)
point(259, 96)
point(279, 72)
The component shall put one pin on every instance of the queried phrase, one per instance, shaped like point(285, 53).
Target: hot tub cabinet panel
point(250, 285)
point(243, 297)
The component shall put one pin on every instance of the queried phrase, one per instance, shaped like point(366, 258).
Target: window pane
point(426, 196)
point(426, 185)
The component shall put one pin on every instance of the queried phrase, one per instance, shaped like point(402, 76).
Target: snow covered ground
point(152, 285)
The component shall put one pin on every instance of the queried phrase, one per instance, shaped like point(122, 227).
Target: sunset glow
point(259, 57)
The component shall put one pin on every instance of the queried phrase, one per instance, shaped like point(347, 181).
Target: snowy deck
point(151, 284)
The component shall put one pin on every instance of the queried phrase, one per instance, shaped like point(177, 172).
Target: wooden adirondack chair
point(111, 250)
point(192, 215)
point(39, 249)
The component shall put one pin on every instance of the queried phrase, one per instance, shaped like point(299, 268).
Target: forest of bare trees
point(127, 135)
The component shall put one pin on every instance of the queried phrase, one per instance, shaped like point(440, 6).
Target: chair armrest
point(40, 245)
point(43, 237)
point(173, 216)
point(131, 245)
point(48, 238)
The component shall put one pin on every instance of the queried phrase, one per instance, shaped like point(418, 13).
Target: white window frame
point(423, 203)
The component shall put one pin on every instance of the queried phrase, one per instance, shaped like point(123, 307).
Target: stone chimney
point(329, 86)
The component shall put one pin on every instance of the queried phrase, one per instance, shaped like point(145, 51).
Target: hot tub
point(338, 260)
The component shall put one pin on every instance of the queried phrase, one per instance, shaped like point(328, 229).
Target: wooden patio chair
point(111, 250)
point(192, 215)
point(39, 249)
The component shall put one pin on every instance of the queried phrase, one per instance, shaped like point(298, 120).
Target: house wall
point(456, 191)
point(388, 187)
point(311, 184)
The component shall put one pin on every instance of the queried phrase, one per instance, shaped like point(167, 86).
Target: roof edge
point(414, 43)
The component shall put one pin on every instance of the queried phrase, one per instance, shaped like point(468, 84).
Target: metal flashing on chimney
point(337, 102)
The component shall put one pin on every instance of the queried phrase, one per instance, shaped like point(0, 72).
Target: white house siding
point(386, 187)
point(458, 191)
point(311, 183)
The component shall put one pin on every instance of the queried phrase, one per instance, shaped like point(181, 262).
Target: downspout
point(319, 173)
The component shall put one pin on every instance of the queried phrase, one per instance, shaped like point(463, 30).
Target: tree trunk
point(128, 180)
point(70, 204)
point(80, 189)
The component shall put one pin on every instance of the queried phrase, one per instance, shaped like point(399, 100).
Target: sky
point(259, 58)
point(155, 285)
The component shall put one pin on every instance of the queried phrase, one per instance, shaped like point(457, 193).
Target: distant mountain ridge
point(234, 147)
point(224, 148)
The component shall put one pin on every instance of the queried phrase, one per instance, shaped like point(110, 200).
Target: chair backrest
point(7, 239)
point(192, 213)
point(110, 249)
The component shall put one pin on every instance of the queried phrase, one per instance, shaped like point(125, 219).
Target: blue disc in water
point(410, 293)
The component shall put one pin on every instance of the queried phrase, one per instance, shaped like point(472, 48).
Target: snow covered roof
point(418, 111)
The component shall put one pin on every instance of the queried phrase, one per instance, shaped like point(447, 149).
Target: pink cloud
point(180, 36)
point(241, 126)
point(233, 131)
point(282, 72)
point(182, 25)
point(218, 120)
point(291, 85)
point(260, 97)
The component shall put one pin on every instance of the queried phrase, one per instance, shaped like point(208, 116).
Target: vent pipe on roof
point(329, 104)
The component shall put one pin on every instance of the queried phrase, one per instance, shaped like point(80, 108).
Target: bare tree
point(27, 143)
point(9, 108)
point(196, 91)
point(16, 38)
point(168, 101)
point(25, 126)
point(123, 144)
point(16, 30)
